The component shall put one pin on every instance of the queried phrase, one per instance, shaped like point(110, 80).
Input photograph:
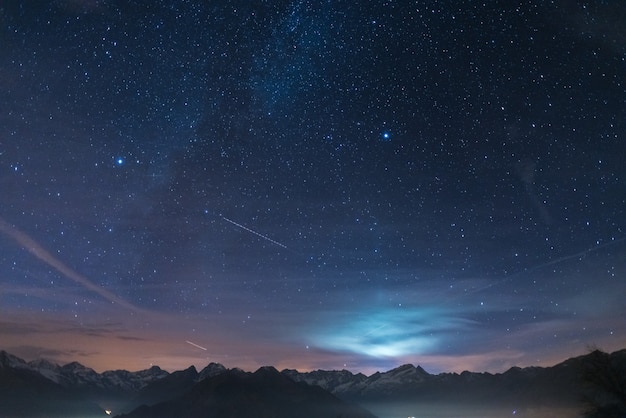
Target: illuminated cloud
point(389, 333)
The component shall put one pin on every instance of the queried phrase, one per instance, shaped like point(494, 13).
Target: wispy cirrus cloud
point(37, 250)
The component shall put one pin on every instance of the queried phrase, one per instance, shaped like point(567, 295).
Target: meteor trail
point(196, 345)
point(253, 232)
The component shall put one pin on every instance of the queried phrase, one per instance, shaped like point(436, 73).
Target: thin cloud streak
point(33, 247)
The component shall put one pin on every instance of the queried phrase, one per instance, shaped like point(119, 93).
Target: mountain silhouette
point(265, 393)
point(592, 385)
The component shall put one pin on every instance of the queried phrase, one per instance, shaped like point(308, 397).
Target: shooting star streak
point(195, 345)
point(33, 247)
point(253, 232)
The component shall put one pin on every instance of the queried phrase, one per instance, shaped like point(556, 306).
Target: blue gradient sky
point(312, 184)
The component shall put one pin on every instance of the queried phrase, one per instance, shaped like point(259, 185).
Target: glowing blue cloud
point(388, 332)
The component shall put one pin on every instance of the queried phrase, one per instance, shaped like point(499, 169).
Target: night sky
point(312, 184)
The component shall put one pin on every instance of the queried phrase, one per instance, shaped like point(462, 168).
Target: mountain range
point(41, 388)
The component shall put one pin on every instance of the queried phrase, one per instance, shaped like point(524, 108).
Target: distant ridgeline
point(593, 385)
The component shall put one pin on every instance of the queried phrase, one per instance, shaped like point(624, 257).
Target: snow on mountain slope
point(12, 362)
point(75, 375)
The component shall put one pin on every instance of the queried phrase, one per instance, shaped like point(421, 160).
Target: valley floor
point(384, 410)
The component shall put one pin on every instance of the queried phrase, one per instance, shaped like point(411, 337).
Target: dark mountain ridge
point(264, 393)
point(45, 386)
point(560, 383)
point(24, 392)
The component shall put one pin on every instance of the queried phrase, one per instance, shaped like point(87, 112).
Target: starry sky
point(312, 184)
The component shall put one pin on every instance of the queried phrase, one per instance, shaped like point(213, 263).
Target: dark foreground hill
point(264, 393)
